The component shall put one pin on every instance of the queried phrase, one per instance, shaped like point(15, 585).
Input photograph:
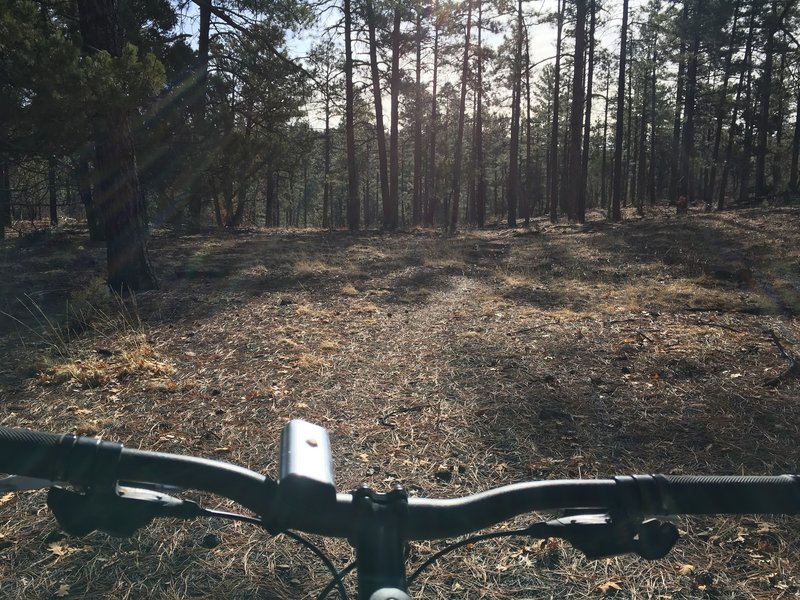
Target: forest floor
point(448, 364)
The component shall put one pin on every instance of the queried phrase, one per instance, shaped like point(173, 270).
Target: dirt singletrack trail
point(450, 364)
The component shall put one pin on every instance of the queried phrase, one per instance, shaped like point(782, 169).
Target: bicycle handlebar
point(86, 462)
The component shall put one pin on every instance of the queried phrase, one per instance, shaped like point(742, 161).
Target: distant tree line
point(140, 113)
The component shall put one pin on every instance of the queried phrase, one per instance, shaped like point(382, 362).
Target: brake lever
point(118, 512)
point(599, 535)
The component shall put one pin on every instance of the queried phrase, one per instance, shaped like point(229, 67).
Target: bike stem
point(380, 544)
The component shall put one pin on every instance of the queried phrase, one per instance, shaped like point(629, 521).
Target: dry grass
point(491, 357)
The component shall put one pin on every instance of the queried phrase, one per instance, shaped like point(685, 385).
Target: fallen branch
point(794, 368)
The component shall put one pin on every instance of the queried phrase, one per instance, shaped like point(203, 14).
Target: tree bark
point(430, 186)
point(377, 95)
point(460, 135)
point(326, 193)
point(118, 194)
point(723, 101)
point(616, 190)
point(675, 152)
point(94, 219)
point(795, 147)
point(771, 24)
point(51, 188)
point(581, 205)
point(686, 187)
point(575, 173)
point(353, 204)
point(525, 199)
point(554, 128)
point(480, 191)
point(390, 216)
point(604, 163)
point(516, 101)
point(416, 208)
point(723, 184)
point(5, 197)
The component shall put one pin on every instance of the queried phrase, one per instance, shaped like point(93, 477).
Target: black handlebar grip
point(729, 494)
point(30, 453)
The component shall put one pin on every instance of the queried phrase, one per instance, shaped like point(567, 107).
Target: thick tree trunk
point(51, 189)
point(795, 147)
point(771, 24)
point(326, 193)
point(516, 98)
point(675, 153)
point(5, 197)
point(580, 209)
point(686, 187)
point(554, 128)
point(430, 185)
point(269, 198)
point(604, 163)
point(416, 209)
point(747, 115)
point(652, 172)
point(616, 193)
point(723, 184)
point(118, 195)
point(390, 216)
point(480, 190)
point(525, 199)
point(94, 220)
point(197, 188)
point(353, 204)
point(377, 96)
point(460, 135)
point(723, 102)
point(575, 171)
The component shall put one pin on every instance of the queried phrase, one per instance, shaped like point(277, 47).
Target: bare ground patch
point(447, 364)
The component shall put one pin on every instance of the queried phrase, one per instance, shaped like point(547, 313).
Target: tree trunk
point(93, 217)
point(652, 172)
point(416, 209)
point(616, 193)
point(5, 197)
point(51, 189)
point(629, 151)
point(525, 200)
point(575, 174)
point(795, 147)
point(554, 129)
point(480, 191)
point(723, 184)
point(516, 101)
point(581, 205)
point(771, 24)
point(723, 101)
point(326, 193)
point(460, 135)
point(197, 188)
point(118, 194)
point(269, 197)
point(686, 187)
point(604, 164)
point(377, 99)
point(353, 205)
point(747, 115)
point(390, 217)
point(675, 152)
point(430, 186)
